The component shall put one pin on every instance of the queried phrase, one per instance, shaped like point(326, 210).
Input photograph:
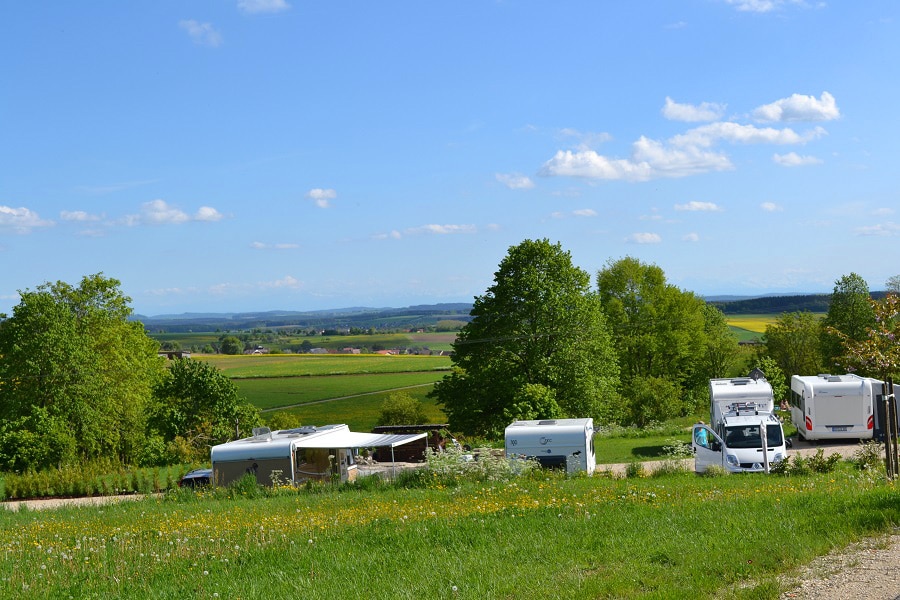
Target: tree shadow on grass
point(648, 451)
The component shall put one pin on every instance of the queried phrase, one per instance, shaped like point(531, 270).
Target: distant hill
point(362, 317)
point(816, 303)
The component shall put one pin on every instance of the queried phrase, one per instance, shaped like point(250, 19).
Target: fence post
point(892, 456)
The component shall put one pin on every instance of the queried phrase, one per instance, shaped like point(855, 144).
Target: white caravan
point(565, 443)
point(834, 406)
point(744, 434)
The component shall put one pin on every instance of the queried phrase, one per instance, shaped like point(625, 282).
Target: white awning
point(354, 439)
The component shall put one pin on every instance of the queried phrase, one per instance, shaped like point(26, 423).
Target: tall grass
point(672, 536)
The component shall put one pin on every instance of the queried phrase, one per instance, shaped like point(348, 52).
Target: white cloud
point(287, 282)
point(644, 238)
point(585, 212)
point(322, 197)
point(203, 34)
point(764, 6)
point(771, 207)
point(799, 108)
point(442, 229)
point(207, 213)
point(262, 6)
point(883, 212)
point(695, 205)
point(889, 229)
point(708, 135)
point(282, 246)
point(21, 220)
point(393, 235)
point(792, 159)
point(158, 212)
point(691, 237)
point(78, 215)
point(705, 111)
point(515, 181)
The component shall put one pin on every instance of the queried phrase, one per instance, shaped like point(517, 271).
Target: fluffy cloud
point(265, 246)
point(203, 34)
point(20, 220)
point(515, 181)
point(889, 229)
point(691, 237)
point(799, 108)
point(792, 159)
point(694, 205)
point(79, 216)
point(322, 197)
point(442, 229)
point(770, 207)
point(705, 111)
point(158, 212)
point(262, 6)
point(708, 135)
point(585, 212)
point(644, 238)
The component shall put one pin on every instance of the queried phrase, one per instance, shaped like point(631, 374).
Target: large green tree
point(662, 333)
point(196, 406)
point(793, 342)
point(537, 347)
point(878, 353)
point(849, 313)
point(75, 376)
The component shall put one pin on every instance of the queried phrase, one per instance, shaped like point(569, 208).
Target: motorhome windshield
point(747, 436)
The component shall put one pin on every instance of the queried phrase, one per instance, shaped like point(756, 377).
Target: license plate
point(839, 429)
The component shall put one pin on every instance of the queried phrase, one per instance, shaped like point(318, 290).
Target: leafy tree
point(793, 342)
point(539, 324)
point(878, 354)
point(654, 399)
point(75, 376)
point(400, 408)
point(231, 345)
point(775, 377)
point(892, 285)
point(283, 419)
point(198, 405)
point(850, 313)
point(661, 333)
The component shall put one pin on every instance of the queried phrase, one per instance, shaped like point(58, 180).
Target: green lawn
point(673, 536)
point(305, 365)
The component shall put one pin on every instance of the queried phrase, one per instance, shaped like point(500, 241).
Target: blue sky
point(237, 155)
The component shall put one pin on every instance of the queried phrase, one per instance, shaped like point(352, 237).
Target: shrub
point(819, 463)
point(635, 469)
point(869, 456)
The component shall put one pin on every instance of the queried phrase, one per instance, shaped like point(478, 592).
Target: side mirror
point(715, 446)
point(789, 442)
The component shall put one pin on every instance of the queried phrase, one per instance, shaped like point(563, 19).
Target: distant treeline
point(815, 303)
point(428, 315)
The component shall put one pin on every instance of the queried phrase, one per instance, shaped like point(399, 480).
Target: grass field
point(280, 342)
point(671, 536)
point(305, 365)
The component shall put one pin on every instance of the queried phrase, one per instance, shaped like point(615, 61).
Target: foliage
point(231, 345)
point(92, 478)
point(197, 403)
point(794, 343)
point(539, 323)
point(878, 353)
point(653, 399)
point(75, 376)
point(400, 408)
point(892, 285)
point(283, 420)
point(775, 376)
point(804, 465)
point(661, 333)
point(869, 456)
point(849, 317)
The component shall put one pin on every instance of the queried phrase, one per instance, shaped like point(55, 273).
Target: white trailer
point(834, 406)
point(725, 392)
point(560, 443)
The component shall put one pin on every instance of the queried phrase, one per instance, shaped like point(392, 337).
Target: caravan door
point(707, 447)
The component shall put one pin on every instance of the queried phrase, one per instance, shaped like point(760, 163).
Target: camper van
point(557, 443)
point(297, 455)
point(834, 406)
point(744, 435)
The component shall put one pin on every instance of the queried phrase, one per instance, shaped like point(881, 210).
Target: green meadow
point(674, 535)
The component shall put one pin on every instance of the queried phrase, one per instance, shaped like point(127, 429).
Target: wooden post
point(891, 449)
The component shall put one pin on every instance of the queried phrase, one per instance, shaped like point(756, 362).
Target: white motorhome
point(834, 406)
point(744, 435)
point(297, 455)
point(560, 443)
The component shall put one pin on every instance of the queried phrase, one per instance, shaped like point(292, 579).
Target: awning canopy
point(354, 439)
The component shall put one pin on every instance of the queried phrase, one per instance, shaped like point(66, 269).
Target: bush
point(635, 469)
point(869, 456)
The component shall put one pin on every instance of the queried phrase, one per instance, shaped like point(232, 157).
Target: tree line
point(80, 381)
point(544, 343)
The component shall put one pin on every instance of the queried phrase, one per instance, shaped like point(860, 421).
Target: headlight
point(778, 457)
point(732, 460)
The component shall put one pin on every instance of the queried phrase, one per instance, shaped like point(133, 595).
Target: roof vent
point(547, 422)
point(262, 434)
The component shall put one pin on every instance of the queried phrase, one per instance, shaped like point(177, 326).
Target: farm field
point(305, 365)
point(608, 538)
point(278, 342)
point(272, 393)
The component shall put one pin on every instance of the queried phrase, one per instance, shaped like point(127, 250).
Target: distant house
point(318, 351)
point(350, 351)
point(258, 350)
point(173, 354)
